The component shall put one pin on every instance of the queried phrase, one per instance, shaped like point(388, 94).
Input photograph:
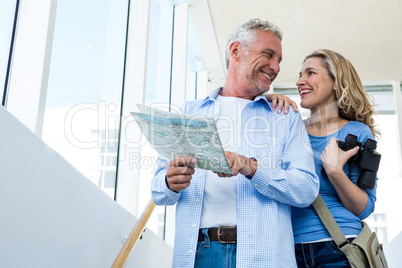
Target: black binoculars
point(366, 159)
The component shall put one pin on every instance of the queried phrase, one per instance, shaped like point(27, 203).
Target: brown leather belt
point(223, 234)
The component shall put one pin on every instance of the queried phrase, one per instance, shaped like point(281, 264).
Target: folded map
point(173, 135)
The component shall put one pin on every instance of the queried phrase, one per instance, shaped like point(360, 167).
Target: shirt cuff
point(250, 177)
point(167, 184)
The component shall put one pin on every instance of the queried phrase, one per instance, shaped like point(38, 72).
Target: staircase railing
point(125, 252)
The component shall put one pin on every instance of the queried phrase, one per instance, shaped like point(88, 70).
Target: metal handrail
point(125, 252)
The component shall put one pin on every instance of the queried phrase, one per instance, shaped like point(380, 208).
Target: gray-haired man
point(267, 152)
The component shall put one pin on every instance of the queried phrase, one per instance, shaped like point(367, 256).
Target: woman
point(331, 89)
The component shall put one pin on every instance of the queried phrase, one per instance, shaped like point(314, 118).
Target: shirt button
point(197, 200)
point(255, 184)
point(194, 225)
point(273, 196)
point(190, 251)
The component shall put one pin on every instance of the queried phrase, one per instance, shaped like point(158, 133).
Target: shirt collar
point(261, 98)
point(212, 96)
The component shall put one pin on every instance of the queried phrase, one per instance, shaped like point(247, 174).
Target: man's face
point(259, 62)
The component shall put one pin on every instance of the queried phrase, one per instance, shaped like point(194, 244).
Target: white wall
point(52, 216)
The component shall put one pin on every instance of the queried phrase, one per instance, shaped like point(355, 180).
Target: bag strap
point(329, 221)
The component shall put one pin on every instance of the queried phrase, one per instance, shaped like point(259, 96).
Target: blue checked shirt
point(285, 177)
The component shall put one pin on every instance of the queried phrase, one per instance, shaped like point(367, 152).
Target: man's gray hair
point(245, 34)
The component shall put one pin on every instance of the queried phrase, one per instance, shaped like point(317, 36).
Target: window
point(386, 217)
point(195, 62)
point(85, 86)
point(7, 13)
point(157, 94)
point(159, 57)
point(378, 224)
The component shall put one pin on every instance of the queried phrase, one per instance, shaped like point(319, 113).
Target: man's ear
point(234, 51)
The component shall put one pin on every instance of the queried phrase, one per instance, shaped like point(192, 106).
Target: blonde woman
point(331, 89)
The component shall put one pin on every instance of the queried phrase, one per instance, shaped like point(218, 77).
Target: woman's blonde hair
point(353, 101)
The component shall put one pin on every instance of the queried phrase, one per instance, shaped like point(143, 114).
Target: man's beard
point(252, 79)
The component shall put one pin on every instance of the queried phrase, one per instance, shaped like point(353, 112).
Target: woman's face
point(315, 85)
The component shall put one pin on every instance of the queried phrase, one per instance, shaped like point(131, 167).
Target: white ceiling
point(367, 32)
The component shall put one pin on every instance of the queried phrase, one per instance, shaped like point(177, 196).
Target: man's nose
point(275, 66)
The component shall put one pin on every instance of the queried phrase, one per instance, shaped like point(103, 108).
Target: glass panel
point(195, 61)
point(109, 180)
point(378, 224)
point(85, 86)
point(384, 101)
point(157, 95)
point(7, 12)
point(387, 216)
point(159, 53)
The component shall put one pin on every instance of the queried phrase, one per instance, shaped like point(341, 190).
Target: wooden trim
point(134, 236)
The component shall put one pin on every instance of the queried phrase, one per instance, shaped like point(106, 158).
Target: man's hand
point(239, 164)
point(179, 173)
point(281, 101)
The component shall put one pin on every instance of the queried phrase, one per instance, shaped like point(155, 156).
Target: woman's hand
point(282, 101)
point(333, 158)
point(352, 196)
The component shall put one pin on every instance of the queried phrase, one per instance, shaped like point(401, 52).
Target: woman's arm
point(352, 196)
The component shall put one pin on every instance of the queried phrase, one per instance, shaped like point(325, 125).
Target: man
point(269, 154)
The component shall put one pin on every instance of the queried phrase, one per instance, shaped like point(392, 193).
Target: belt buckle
point(219, 235)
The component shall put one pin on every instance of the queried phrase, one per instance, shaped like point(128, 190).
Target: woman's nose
point(300, 81)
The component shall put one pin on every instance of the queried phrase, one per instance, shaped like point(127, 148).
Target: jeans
point(321, 254)
point(212, 254)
